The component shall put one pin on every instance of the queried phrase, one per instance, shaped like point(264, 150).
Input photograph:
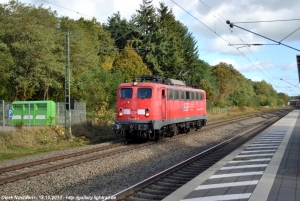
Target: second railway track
point(164, 183)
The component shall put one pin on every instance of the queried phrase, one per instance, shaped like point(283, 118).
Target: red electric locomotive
point(152, 107)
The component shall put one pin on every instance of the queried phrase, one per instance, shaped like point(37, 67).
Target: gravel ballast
point(106, 177)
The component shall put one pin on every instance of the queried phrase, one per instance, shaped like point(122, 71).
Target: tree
point(91, 49)
point(283, 98)
point(130, 65)
point(234, 88)
point(29, 38)
point(267, 95)
point(6, 61)
point(120, 30)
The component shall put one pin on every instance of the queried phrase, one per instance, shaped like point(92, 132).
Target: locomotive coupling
point(116, 126)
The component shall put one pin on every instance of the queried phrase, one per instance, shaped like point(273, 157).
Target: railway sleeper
point(180, 178)
point(159, 187)
point(185, 175)
point(150, 196)
point(131, 198)
point(154, 191)
point(187, 171)
point(171, 185)
point(173, 181)
point(199, 163)
point(194, 166)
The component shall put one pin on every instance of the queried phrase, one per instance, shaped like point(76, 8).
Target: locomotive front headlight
point(147, 113)
point(120, 112)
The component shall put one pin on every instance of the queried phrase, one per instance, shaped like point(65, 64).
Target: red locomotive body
point(161, 107)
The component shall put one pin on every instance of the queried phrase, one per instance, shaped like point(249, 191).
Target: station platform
point(266, 168)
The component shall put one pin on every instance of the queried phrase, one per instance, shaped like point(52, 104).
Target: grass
point(237, 112)
point(23, 141)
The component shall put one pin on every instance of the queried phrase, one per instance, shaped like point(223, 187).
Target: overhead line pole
point(68, 118)
point(68, 132)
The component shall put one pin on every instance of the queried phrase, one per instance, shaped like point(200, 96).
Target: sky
point(276, 22)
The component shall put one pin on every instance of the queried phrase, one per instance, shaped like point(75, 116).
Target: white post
point(28, 113)
point(3, 116)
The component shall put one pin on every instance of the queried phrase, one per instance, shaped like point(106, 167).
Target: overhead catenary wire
point(199, 21)
point(254, 22)
point(233, 25)
point(220, 35)
point(268, 21)
point(216, 16)
point(235, 32)
point(71, 10)
point(244, 43)
point(289, 83)
point(290, 34)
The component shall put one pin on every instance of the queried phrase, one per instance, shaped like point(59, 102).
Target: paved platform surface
point(266, 168)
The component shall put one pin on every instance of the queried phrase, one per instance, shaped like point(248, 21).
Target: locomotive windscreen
point(126, 93)
point(144, 92)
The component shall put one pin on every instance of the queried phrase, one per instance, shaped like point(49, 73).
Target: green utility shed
point(34, 113)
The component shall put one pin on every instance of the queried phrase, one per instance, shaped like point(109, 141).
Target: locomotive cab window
point(201, 96)
point(176, 97)
point(144, 93)
point(126, 93)
point(192, 95)
point(170, 94)
point(182, 95)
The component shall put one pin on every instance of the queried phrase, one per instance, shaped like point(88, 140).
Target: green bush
point(19, 125)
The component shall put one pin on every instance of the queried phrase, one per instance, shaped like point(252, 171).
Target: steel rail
point(57, 158)
point(79, 153)
point(91, 158)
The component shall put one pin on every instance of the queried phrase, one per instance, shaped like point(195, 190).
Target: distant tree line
point(152, 42)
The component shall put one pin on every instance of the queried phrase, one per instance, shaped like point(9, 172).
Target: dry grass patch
point(34, 140)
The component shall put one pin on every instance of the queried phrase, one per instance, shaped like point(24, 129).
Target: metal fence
point(218, 110)
point(78, 115)
point(5, 119)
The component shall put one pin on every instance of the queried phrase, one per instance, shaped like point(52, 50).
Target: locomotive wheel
point(186, 130)
point(175, 130)
point(157, 135)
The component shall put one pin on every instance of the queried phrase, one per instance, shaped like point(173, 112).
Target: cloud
point(289, 66)
point(228, 61)
point(263, 67)
point(232, 45)
point(256, 79)
point(218, 12)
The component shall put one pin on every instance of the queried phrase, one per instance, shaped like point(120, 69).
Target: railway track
point(14, 173)
point(164, 183)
